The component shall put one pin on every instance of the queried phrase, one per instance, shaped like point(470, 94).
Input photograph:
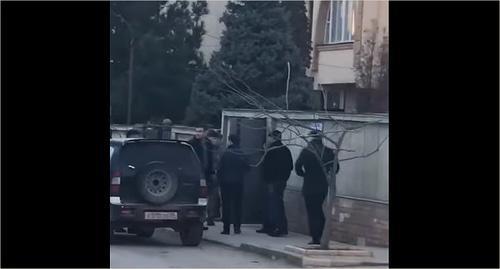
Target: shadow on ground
point(163, 238)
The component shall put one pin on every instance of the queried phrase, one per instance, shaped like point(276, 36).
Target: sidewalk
point(274, 247)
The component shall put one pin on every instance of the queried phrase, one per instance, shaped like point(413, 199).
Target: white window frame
point(332, 21)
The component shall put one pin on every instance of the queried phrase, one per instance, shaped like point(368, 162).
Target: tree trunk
point(130, 81)
point(327, 230)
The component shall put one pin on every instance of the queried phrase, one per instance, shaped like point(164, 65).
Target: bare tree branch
point(366, 155)
point(122, 19)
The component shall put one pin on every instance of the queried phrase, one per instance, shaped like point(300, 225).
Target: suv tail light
point(203, 198)
point(203, 189)
point(115, 184)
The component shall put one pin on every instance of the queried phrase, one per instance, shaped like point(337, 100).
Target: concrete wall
point(374, 25)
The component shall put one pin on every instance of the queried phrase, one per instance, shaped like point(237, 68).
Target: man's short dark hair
point(207, 127)
point(275, 134)
point(234, 139)
point(213, 133)
point(315, 134)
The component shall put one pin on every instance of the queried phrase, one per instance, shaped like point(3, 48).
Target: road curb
point(291, 257)
point(220, 243)
point(300, 260)
point(273, 254)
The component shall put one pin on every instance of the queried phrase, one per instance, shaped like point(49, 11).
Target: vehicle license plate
point(160, 215)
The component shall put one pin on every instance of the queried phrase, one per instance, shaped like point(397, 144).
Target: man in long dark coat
point(232, 168)
point(312, 164)
point(277, 166)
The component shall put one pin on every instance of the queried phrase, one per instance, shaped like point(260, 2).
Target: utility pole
point(130, 80)
point(287, 84)
point(130, 65)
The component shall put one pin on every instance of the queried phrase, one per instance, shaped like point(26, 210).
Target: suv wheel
point(192, 234)
point(156, 184)
point(145, 232)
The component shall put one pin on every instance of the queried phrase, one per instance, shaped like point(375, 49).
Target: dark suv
point(156, 183)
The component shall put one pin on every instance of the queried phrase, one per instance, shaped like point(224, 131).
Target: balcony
point(333, 64)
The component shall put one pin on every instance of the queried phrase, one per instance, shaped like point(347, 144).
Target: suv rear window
point(176, 155)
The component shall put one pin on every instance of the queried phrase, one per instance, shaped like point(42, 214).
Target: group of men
point(226, 173)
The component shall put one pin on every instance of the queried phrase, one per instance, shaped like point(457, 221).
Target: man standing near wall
point(315, 187)
point(277, 166)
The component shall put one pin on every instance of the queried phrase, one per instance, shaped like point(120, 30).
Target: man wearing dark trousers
point(277, 166)
point(315, 187)
point(213, 205)
point(232, 168)
point(204, 149)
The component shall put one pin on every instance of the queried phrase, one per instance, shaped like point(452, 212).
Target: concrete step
point(338, 261)
point(295, 256)
point(334, 251)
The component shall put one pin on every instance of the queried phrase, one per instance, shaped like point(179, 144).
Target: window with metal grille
point(340, 22)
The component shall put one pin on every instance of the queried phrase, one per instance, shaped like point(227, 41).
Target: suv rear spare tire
point(192, 234)
point(157, 185)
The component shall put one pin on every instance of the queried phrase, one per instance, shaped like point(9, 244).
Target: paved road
point(165, 250)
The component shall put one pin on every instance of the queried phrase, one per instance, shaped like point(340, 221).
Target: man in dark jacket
point(214, 203)
point(313, 164)
point(232, 168)
point(277, 166)
point(205, 151)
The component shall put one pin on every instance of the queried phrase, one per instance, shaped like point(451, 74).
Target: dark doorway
point(252, 133)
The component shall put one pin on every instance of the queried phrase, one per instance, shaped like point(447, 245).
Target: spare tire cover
point(157, 184)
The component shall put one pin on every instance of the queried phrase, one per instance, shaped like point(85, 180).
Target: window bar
point(342, 19)
point(349, 20)
point(337, 21)
point(328, 30)
point(330, 14)
point(339, 35)
point(326, 35)
point(353, 19)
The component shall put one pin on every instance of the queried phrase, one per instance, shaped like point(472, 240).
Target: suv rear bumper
point(133, 214)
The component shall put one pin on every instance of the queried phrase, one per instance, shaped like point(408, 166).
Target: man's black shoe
point(314, 243)
point(276, 233)
point(205, 228)
point(224, 232)
point(237, 231)
point(210, 223)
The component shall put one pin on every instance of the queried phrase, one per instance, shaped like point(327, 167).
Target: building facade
point(349, 54)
